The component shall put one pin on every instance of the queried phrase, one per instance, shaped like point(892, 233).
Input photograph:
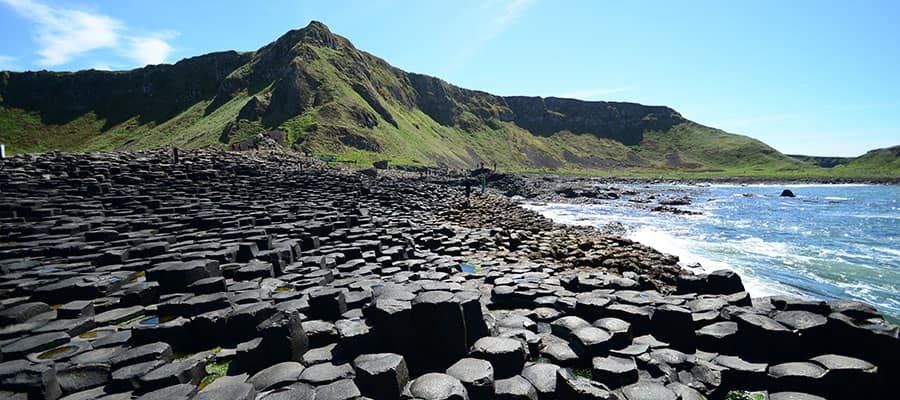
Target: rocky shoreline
point(264, 276)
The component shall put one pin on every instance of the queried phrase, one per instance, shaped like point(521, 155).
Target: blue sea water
point(829, 242)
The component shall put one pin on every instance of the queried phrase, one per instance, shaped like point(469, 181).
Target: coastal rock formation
point(236, 275)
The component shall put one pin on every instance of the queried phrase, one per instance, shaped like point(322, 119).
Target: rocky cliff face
point(623, 122)
point(154, 93)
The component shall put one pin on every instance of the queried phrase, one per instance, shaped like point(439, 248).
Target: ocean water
point(829, 242)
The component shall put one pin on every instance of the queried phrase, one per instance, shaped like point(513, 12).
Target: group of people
point(482, 180)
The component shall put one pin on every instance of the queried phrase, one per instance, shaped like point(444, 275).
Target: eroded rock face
point(127, 275)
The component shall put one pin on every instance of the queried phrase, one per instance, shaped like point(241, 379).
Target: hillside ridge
point(314, 91)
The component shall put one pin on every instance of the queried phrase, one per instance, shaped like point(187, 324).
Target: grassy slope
point(419, 140)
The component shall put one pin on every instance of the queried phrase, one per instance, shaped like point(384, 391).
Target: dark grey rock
point(614, 371)
point(276, 376)
point(343, 389)
point(436, 386)
point(476, 375)
point(321, 374)
point(543, 378)
point(648, 390)
point(381, 375)
point(506, 355)
point(573, 387)
point(515, 388)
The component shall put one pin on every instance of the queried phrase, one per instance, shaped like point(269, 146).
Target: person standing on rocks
point(483, 184)
point(468, 192)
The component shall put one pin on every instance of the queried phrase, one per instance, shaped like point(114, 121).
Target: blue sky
point(813, 77)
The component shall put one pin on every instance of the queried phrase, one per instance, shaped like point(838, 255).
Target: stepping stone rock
point(515, 388)
point(435, 386)
point(615, 371)
point(343, 389)
point(794, 396)
point(33, 344)
point(797, 376)
point(441, 330)
point(565, 327)
point(476, 375)
point(506, 355)
point(276, 376)
point(571, 386)
point(543, 378)
point(38, 381)
point(321, 374)
point(382, 375)
point(230, 391)
point(647, 390)
point(297, 391)
point(590, 341)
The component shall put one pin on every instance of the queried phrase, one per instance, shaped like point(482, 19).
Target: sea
point(828, 242)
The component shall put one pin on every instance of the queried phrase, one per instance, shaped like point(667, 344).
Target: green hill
point(320, 94)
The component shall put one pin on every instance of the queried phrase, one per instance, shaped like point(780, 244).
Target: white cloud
point(66, 33)
point(149, 49)
point(500, 16)
point(593, 94)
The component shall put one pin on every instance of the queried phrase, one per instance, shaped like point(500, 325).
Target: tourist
point(468, 191)
point(483, 184)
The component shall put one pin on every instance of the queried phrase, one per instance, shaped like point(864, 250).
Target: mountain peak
point(318, 33)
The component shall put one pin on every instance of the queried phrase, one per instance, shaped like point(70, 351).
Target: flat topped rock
point(505, 354)
point(647, 390)
point(381, 375)
point(564, 327)
point(232, 391)
point(472, 371)
point(516, 388)
point(738, 364)
point(797, 369)
point(543, 377)
point(278, 375)
point(325, 373)
point(794, 396)
point(436, 386)
point(800, 320)
point(837, 362)
point(762, 322)
point(719, 329)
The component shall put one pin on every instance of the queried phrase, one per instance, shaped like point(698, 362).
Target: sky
point(808, 77)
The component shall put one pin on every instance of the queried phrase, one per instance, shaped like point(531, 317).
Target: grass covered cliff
point(328, 97)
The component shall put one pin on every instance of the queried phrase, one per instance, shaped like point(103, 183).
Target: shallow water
point(829, 242)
